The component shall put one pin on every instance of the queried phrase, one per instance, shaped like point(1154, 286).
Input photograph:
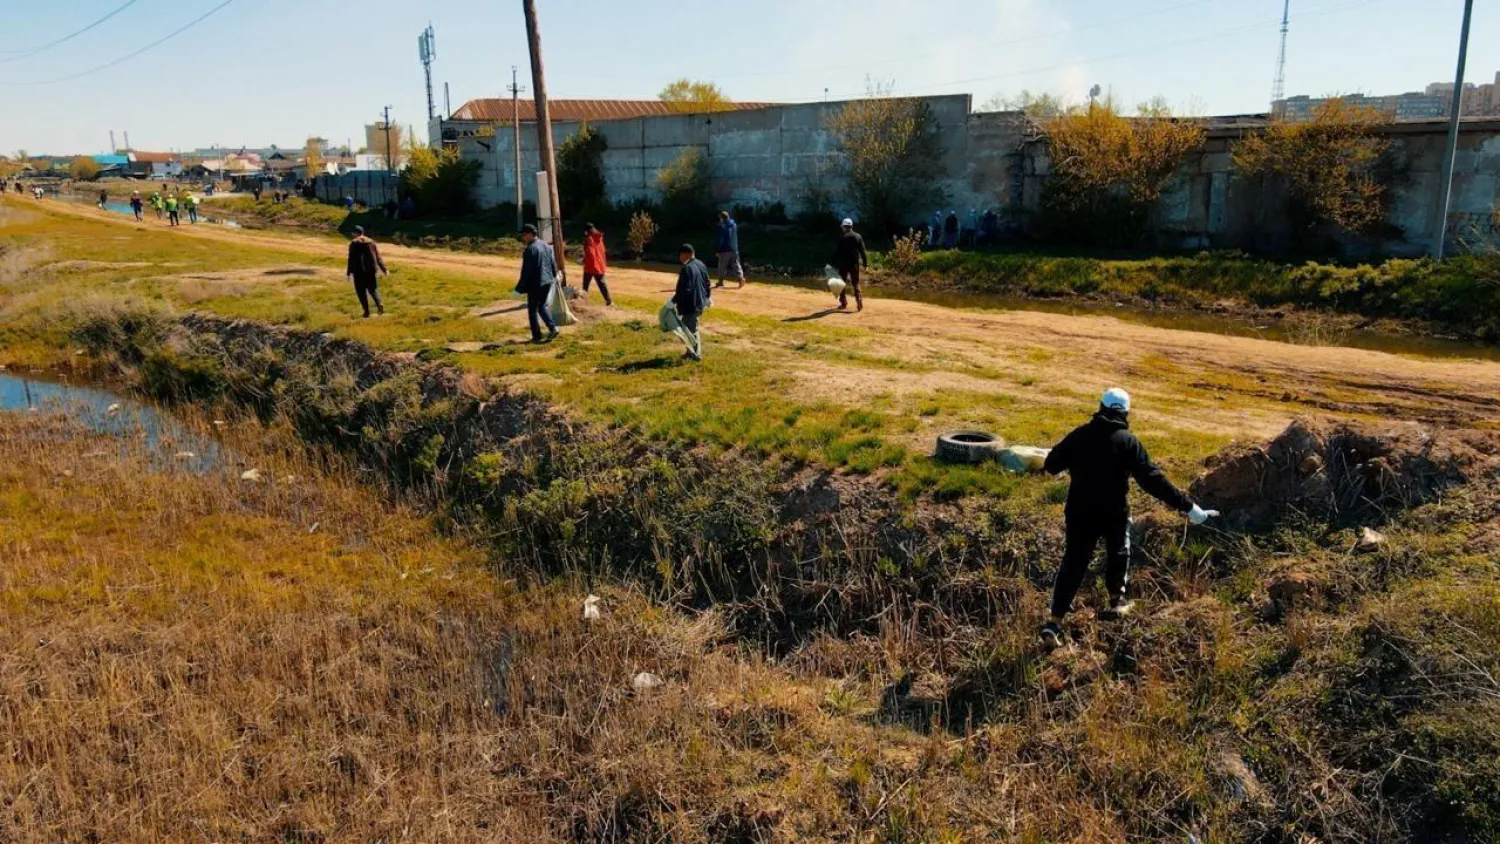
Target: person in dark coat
point(538, 274)
point(727, 248)
point(364, 262)
point(692, 297)
point(1101, 456)
point(848, 257)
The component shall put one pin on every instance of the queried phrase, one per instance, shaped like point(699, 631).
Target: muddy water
point(125, 209)
point(123, 418)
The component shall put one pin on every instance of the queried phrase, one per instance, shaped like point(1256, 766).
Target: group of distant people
point(946, 232)
point(691, 298)
point(694, 292)
point(36, 191)
point(169, 206)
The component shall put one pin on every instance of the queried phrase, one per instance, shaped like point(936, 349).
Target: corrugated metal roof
point(566, 111)
point(154, 157)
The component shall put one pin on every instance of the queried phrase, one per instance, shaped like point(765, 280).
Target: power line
point(66, 38)
point(1155, 48)
point(158, 42)
point(977, 48)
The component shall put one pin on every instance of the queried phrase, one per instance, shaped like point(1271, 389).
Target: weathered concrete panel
point(989, 160)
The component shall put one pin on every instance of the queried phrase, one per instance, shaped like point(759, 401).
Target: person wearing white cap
point(848, 257)
point(1101, 456)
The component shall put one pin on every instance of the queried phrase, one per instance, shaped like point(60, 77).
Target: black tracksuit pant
point(1083, 535)
point(537, 313)
point(366, 287)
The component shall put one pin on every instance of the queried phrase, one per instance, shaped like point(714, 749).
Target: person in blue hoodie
point(538, 274)
point(691, 297)
point(727, 245)
point(1100, 457)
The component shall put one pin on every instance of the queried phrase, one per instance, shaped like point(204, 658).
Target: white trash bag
point(1023, 459)
point(645, 681)
point(671, 323)
point(835, 283)
point(667, 319)
point(557, 305)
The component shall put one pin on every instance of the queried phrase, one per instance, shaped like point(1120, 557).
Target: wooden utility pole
point(390, 156)
point(515, 122)
point(544, 131)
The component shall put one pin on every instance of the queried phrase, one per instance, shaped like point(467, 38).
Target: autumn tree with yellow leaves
point(1109, 171)
point(1329, 167)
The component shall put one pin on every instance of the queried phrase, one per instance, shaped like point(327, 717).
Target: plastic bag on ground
point(1023, 458)
point(557, 304)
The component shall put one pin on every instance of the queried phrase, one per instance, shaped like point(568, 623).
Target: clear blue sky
point(276, 71)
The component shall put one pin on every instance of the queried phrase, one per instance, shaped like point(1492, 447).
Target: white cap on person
point(848, 223)
point(1116, 399)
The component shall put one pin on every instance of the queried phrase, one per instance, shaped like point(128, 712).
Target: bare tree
point(892, 153)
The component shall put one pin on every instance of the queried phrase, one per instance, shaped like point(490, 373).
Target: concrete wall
point(993, 160)
point(1210, 206)
point(755, 157)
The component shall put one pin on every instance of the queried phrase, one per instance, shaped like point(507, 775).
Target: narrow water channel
point(121, 417)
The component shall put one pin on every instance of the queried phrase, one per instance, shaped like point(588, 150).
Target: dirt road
point(1219, 384)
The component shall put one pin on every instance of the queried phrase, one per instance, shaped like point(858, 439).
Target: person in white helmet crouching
point(1100, 457)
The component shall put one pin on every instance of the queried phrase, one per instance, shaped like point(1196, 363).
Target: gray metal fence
point(371, 187)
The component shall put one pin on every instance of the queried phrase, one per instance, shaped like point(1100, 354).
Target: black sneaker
point(1117, 610)
point(1051, 635)
point(551, 335)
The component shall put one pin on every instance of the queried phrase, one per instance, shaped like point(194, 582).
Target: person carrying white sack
point(849, 257)
point(691, 298)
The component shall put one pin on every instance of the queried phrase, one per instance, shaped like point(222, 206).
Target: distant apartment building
point(1429, 104)
point(1414, 105)
point(1479, 100)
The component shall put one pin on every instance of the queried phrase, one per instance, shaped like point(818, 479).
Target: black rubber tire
point(968, 447)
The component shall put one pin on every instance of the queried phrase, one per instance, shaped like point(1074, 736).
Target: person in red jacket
point(593, 261)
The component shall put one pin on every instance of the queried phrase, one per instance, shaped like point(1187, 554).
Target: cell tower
point(1278, 88)
point(427, 50)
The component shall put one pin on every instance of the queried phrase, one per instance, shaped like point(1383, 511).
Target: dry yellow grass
point(196, 657)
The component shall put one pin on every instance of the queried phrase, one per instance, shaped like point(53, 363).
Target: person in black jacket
point(691, 298)
point(364, 261)
point(538, 274)
point(1101, 457)
point(848, 257)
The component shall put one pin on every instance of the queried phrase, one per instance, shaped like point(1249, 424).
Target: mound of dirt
point(1341, 472)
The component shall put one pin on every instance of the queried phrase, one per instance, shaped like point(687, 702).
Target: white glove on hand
point(1198, 515)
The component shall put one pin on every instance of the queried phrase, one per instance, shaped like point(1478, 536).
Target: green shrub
point(580, 170)
point(440, 182)
point(684, 183)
